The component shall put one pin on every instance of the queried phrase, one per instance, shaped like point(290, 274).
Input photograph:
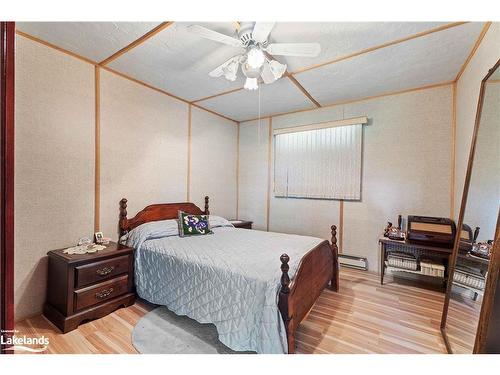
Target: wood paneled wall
point(85, 139)
point(406, 170)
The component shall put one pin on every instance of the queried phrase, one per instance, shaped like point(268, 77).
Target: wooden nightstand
point(88, 286)
point(242, 223)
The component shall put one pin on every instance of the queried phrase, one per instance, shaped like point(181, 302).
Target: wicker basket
point(402, 260)
point(431, 269)
point(466, 278)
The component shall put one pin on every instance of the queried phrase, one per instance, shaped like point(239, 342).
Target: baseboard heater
point(353, 261)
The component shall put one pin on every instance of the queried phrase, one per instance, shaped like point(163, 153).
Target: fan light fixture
point(277, 69)
point(255, 58)
point(251, 84)
point(231, 70)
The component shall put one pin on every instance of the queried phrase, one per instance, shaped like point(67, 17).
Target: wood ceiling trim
point(82, 58)
point(473, 51)
point(108, 69)
point(349, 56)
point(162, 26)
point(303, 90)
point(53, 46)
point(213, 112)
point(165, 92)
point(216, 95)
point(380, 46)
point(426, 87)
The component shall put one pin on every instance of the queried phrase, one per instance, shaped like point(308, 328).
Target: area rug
point(163, 332)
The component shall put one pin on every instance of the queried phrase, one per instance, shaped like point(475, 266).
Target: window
point(320, 161)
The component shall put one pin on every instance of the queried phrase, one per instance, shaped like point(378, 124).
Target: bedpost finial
point(123, 216)
point(285, 279)
point(207, 211)
point(334, 234)
point(123, 207)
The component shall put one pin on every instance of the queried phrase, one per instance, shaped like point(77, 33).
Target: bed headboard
point(156, 212)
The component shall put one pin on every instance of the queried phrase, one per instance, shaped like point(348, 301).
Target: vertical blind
point(321, 163)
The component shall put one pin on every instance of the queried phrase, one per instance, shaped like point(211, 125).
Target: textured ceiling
point(281, 96)
point(418, 62)
point(178, 61)
point(93, 40)
point(342, 38)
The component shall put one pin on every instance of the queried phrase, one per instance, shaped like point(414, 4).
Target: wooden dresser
point(88, 286)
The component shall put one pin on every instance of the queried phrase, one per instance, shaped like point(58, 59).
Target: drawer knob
point(105, 271)
point(103, 294)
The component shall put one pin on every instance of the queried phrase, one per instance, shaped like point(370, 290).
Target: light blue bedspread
point(230, 278)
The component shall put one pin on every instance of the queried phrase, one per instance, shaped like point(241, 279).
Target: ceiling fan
point(256, 57)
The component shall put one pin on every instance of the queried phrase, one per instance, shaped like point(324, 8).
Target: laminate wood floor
point(363, 317)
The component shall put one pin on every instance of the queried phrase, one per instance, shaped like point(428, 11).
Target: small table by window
point(245, 224)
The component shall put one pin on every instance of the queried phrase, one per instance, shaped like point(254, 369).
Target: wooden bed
point(317, 268)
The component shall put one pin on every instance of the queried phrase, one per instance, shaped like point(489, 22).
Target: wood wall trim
point(137, 42)
point(303, 90)
point(238, 171)
point(340, 229)
point(188, 182)
point(473, 51)
point(269, 166)
point(7, 108)
point(405, 91)
point(97, 155)
point(453, 148)
point(47, 44)
point(53, 46)
point(380, 46)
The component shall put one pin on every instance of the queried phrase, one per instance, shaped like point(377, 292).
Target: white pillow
point(217, 221)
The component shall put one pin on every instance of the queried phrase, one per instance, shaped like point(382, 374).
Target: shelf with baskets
point(411, 258)
point(416, 272)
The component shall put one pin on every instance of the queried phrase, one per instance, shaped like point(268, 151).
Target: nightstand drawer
point(94, 295)
point(96, 272)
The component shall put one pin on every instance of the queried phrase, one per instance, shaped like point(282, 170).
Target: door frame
point(7, 39)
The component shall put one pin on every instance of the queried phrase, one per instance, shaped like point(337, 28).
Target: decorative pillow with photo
point(193, 225)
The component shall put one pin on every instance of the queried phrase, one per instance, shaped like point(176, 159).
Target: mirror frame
point(494, 266)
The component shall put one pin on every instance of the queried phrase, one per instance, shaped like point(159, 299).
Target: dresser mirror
point(469, 310)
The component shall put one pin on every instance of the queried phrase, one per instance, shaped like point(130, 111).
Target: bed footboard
point(316, 270)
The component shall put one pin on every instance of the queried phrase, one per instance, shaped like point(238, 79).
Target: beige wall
point(213, 162)
point(468, 87)
point(406, 170)
point(54, 163)
point(144, 142)
point(253, 170)
point(144, 157)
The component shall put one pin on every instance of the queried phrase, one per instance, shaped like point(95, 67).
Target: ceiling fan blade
point(214, 35)
point(261, 31)
point(294, 49)
point(225, 68)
